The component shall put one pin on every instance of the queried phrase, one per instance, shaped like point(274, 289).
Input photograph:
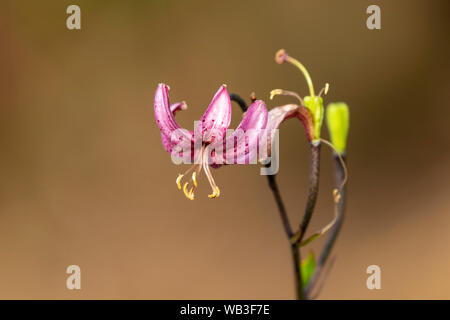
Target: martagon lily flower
point(208, 144)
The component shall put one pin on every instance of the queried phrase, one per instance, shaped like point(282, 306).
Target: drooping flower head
point(207, 145)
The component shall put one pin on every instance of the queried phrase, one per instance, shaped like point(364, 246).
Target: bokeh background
point(84, 178)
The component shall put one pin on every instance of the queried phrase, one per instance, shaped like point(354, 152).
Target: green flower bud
point(315, 105)
point(338, 121)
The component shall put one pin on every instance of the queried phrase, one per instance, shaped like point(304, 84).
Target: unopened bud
point(338, 121)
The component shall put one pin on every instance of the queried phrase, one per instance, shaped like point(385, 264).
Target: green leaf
point(307, 268)
point(310, 239)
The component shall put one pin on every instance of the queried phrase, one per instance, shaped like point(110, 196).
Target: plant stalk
point(295, 250)
point(313, 191)
point(339, 175)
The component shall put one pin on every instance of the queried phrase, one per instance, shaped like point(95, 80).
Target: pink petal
point(171, 132)
point(216, 119)
point(178, 106)
point(279, 114)
point(174, 108)
point(240, 148)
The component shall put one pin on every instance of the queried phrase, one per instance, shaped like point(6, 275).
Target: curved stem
point(313, 191)
point(238, 99)
point(295, 250)
point(339, 174)
point(281, 208)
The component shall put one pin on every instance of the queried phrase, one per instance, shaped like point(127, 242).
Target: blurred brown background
point(84, 178)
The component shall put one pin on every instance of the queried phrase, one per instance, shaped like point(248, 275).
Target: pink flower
point(208, 145)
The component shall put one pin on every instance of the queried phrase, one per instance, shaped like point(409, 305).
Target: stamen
point(215, 193)
point(190, 194)
point(324, 90)
point(276, 92)
point(180, 176)
point(281, 56)
point(215, 188)
point(194, 179)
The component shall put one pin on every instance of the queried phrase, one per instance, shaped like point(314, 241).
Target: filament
point(324, 90)
point(276, 92)
point(214, 187)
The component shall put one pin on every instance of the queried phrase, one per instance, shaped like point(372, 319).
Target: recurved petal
point(279, 114)
point(171, 132)
point(242, 145)
point(174, 108)
point(216, 119)
point(178, 106)
point(164, 116)
point(255, 117)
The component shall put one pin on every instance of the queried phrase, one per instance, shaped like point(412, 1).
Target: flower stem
point(295, 248)
point(296, 259)
point(270, 178)
point(313, 191)
point(281, 208)
point(238, 99)
point(339, 176)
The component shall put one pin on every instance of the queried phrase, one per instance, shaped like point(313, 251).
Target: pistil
point(281, 56)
